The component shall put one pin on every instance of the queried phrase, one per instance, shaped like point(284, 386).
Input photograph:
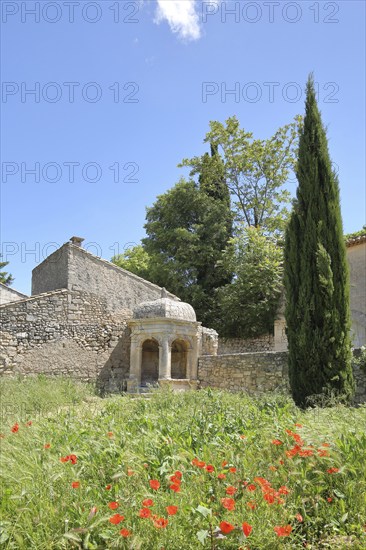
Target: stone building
point(91, 320)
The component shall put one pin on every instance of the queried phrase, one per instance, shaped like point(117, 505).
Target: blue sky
point(121, 96)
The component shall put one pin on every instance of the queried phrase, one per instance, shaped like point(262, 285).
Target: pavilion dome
point(165, 308)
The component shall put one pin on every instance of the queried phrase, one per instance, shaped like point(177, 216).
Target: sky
point(101, 100)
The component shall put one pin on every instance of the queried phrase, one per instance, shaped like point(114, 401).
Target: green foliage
point(124, 442)
point(359, 233)
point(255, 170)
point(248, 305)
point(187, 231)
point(136, 260)
point(316, 272)
point(5, 278)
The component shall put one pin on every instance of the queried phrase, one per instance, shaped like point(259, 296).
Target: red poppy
point(325, 445)
point(130, 472)
point(283, 531)
point(323, 452)
point(299, 517)
point(110, 434)
point(47, 445)
point(226, 527)
point(228, 503)
point(221, 476)
point(272, 468)
point(178, 474)
point(175, 479)
point(145, 513)
point(252, 505)
point(210, 468)
point(125, 532)
point(113, 505)
point(243, 436)
point(64, 459)
point(224, 463)
point(283, 490)
point(75, 484)
point(332, 470)
point(276, 442)
point(175, 488)
point(148, 502)
point(29, 423)
point(154, 484)
point(116, 519)
point(108, 487)
point(329, 499)
point(15, 428)
point(201, 464)
point(231, 490)
point(306, 452)
point(251, 487)
point(232, 470)
point(269, 497)
point(172, 510)
point(73, 459)
point(160, 523)
point(298, 425)
point(247, 529)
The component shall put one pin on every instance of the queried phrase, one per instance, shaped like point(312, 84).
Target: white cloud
point(181, 16)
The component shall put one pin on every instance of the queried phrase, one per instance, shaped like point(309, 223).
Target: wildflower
point(226, 527)
point(298, 425)
point(29, 423)
point(172, 510)
point(251, 487)
point(178, 474)
point(210, 468)
point(110, 434)
point(224, 463)
point(130, 472)
point(323, 452)
point(175, 487)
point(252, 505)
point(116, 519)
point(75, 484)
point(15, 428)
point(232, 470)
point(113, 505)
point(247, 529)
point(243, 437)
point(175, 479)
point(283, 490)
point(201, 464)
point(47, 445)
point(125, 533)
point(272, 468)
point(145, 513)
point(329, 499)
point(73, 459)
point(306, 452)
point(221, 476)
point(276, 442)
point(228, 503)
point(154, 484)
point(160, 523)
point(231, 490)
point(283, 531)
point(332, 470)
point(299, 517)
point(148, 502)
point(108, 487)
point(325, 445)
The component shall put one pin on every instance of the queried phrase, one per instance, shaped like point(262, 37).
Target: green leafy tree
point(5, 278)
point(255, 171)
point(248, 305)
point(316, 272)
point(136, 260)
point(187, 232)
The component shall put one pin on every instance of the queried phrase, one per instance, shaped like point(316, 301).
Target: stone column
point(165, 363)
point(134, 380)
point(192, 358)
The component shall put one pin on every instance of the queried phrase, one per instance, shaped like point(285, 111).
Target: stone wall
point(68, 333)
point(257, 373)
point(8, 294)
point(74, 268)
point(241, 345)
point(356, 255)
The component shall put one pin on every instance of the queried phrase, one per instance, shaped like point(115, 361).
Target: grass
point(121, 444)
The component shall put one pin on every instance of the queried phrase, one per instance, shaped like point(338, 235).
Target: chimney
point(77, 241)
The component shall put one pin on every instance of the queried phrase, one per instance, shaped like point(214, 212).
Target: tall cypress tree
point(316, 272)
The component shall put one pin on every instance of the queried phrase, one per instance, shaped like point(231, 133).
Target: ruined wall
point(65, 333)
point(257, 373)
point(74, 268)
point(356, 255)
point(241, 345)
point(8, 295)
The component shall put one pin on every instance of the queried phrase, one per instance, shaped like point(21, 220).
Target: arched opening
point(150, 362)
point(179, 359)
